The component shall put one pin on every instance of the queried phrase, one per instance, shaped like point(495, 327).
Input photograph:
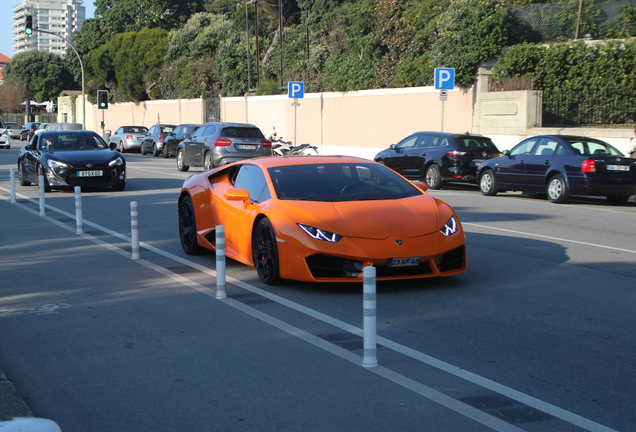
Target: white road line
point(398, 379)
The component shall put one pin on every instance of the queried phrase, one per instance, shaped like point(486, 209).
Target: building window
point(43, 11)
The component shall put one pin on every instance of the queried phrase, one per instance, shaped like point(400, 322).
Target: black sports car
point(71, 158)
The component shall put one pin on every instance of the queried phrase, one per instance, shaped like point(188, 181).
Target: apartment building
point(60, 17)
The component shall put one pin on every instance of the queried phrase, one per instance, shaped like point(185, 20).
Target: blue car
point(560, 166)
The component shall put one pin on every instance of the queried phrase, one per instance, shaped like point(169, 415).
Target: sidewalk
point(11, 403)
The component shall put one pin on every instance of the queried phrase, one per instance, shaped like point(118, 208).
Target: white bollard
point(134, 229)
point(78, 211)
point(369, 316)
point(41, 190)
point(220, 262)
point(12, 171)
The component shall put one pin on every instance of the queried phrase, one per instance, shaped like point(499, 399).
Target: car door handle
point(547, 162)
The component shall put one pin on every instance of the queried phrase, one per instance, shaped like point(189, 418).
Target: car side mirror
point(236, 194)
point(421, 185)
point(506, 153)
point(112, 146)
point(392, 147)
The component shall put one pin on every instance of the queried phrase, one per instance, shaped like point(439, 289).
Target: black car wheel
point(21, 177)
point(433, 177)
point(265, 252)
point(188, 227)
point(487, 183)
point(618, 200)
point(155, 153)
point(557, 190)
point(207, 163)
point(165, 150)
point(181, 166)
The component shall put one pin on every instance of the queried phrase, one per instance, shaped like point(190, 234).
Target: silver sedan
point(128, 138)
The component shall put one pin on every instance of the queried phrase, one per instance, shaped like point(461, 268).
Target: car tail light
point(589, 165)
point(266, 144)
point(222, 142)
point(161, 138)
point(455, 153)
point(129, 137)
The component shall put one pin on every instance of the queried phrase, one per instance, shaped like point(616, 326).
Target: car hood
point(407, 217)
point(81, 157)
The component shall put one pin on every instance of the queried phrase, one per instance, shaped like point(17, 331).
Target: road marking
point(405, 382)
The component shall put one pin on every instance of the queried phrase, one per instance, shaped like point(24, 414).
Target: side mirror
point(421, 185)
point(392, 147)
point(506, 153)
point(112, 145)
point(236, 194)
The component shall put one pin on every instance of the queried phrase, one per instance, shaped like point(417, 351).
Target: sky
point(6, 23)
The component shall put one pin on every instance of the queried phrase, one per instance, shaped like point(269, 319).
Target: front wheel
point(188, 227)
point(557, 190)
point(434, 177)
point(165, 153)
point(488, 184)
point(265, 252)
point(181, 166)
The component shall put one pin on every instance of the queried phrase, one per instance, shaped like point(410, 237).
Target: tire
point(433, 177)
point(557, 189)
point(155, 153)
point(207, 161)
point(119, 186)
point(188, 227)
point(165, 150)
point(618, 200)
point(22, 179)
point(488, 183)
point(265, 253)
point(122, 149)
point(41, 172)
point(181, 166)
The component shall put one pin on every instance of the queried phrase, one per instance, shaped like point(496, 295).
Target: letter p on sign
point(444, 78)
point(296, 89)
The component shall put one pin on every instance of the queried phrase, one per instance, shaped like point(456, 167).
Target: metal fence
point(559, 22)
point(588, 108)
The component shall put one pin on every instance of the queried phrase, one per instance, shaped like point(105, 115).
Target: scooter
point(281, 147)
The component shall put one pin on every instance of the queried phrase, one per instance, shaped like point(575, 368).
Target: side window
point(177, 130)
point(545, 147)
point(199, 132)
point(210, 130)
point(407, 143)
point(524, 148)
point(425, 141)
point(560, 151)
point(252, 179)
point(439, 141)
point(120, 130)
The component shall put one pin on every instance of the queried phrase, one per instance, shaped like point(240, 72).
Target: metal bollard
point(220, 262)
point(12, 171)
point(369, 315)
point(41, 190)
point(78, 211)
point(134, 229)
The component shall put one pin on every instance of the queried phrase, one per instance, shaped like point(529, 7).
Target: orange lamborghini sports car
point(321, 219)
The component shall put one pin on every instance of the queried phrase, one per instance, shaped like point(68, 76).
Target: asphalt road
point(538, 335)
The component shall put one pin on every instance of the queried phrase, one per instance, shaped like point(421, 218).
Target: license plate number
point(618, 168)
point(403, 262)
point(95, 173)
point(245, 147)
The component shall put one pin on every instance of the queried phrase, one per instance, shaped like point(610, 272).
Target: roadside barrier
point(220, 262)
point(134, 229)
point(41, 190)
point(369, 359)
point(79, 222)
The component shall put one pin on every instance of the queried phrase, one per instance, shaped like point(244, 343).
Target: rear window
point(242, 132)
point(140, 129)
point(593, 147)
point(474, 143)
point(167, 129)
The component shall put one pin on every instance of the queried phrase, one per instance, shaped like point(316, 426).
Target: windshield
point(71, 142)
point(334, 182)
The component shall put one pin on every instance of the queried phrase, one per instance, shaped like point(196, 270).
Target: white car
point(13, 129)
point(5, 140)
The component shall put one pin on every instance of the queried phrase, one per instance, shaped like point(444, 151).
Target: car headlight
point(118, 161)
point(320, 234)
point(450, 227)
point(55, 165)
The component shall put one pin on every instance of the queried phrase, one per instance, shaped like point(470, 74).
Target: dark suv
point(181, 132)
point(438, 157)
point(215, 144)
point(154, 139)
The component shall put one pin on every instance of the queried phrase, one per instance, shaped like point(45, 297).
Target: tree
point(44, 74)
point(13, 93)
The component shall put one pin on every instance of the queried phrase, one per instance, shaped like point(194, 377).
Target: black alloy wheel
point(181, 166)
point(21, 176)
point(433, 177)
point(265, 252)
point(487, 183)
point(557, 189)
point(188, 227)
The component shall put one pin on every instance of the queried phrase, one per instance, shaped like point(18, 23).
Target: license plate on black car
point(618, 167)
point(403, 262)
point(93, 173)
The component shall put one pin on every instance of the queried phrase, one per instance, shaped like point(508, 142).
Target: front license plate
point(245, 147)
point(618, 167)
point(403, 262)
point(96, 173)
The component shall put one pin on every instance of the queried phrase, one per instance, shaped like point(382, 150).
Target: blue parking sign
point(296, 89)
point(444, 78)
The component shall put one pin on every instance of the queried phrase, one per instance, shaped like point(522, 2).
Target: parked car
point(5, 141)
point(438, 157)
point(41, 128)
point(215, 144)
point(128, 138)
point(181, 132)
point(64, 126)
point(156, 136)
point(560, 166)
point(13, 130)
point(69, 158)
point(300, 218)
point(27, 131)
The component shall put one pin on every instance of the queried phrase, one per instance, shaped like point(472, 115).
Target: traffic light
point(102, 99)
point(29, 25)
